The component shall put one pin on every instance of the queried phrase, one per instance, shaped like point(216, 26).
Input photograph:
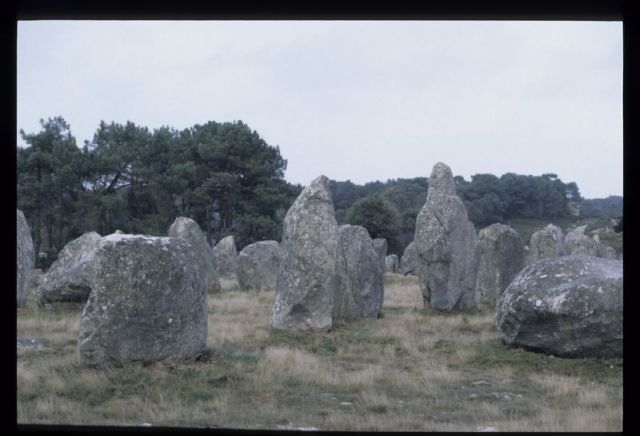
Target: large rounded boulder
point(189, 230)
point(568, 306)
point(258, 265)
point(305, 282)
point(25, 258)
point(69, 277)
point(148, 302)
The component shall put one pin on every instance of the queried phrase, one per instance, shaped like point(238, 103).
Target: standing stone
point(604, 250)
point(391, 263)
point(380, 245)
point(501, 257)
point(305, 283)
point(25, 259)
point(409, 259)
point(69, 279)
point(258, 265)
point(546, 243)
point(226, 256)
point(576, 242)
point(359, 276)
point(567, 306)
point(148, 302)
point(189, 230)
point(446, 243)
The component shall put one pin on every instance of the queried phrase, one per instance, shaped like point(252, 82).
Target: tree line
point(229, 180)
point(489, 199)
point(223, 175)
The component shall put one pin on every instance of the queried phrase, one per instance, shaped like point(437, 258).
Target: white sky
point(357, 100)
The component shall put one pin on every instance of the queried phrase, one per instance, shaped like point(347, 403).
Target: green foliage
point(379, 217)
point(223, 175)
point(610, 207)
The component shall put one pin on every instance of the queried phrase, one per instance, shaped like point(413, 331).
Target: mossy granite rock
point(69, 277)
point(148, 302)
point(567, 306)
point(25, 258)
point(305, 282)
point(258, 265)
point(359, 274)
point(226, 256)
point(501, 257)
point(446, 243)
point(189, 230)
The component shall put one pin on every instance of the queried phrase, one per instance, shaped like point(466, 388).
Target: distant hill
point(602, 207)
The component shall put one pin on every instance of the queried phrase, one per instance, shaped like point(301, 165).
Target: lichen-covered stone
point(391, 263)
point(189, 230)
point(25, 258)
point(258, 265)
point(546, 243)
point(226, 256)
point(567, 306)
point(409, 260)
point(501, 257)
point(577, 243)
point(305, 283)
point(69, 277)
point(446, 244)
point(148, 302)
point(359, 276)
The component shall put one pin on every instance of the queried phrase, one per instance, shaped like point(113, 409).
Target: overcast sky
point(353, 100)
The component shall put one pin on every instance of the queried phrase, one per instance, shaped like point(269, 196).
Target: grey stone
point(577, 243)
point(546, 243)
point(226, 256)
point(258, 265)
point(409, 260)
point(501, 257)
point(305, 283)
point(359, 276)
point(380, 245)
point(69, 277)
point(189, 230)
point(567, 306)
point(391, 263)
point(148, 302)
point(25, 258)
point(446, 243)
point(604, 250)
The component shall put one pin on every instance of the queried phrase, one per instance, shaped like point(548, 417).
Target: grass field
point(412, 370)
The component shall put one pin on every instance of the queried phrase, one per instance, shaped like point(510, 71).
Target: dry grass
point(412, 370)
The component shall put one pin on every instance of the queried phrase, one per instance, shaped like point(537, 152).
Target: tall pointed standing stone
point(305, 282)
point(446, 243)
point(24, 258)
